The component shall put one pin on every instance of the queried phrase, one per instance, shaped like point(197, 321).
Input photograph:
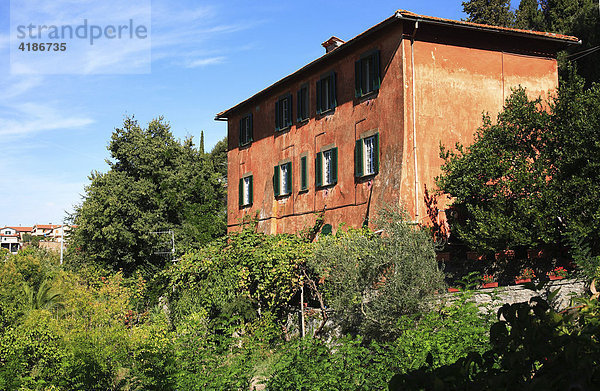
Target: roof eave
point(398, 15)
point(223, 116)
point(489, 29)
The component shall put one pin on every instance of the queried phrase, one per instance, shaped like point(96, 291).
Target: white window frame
point(246, 191)
point(369, 155)
point(283, 179)
point(327, 168)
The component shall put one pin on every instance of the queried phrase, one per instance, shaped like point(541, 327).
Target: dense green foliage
point(494, 12)
point(500, 181)
point(155, 183)
point(448, 332)
point(370, 280)
point(533, 348)
point(580, 18)
point(238, 278)
point(533, 176)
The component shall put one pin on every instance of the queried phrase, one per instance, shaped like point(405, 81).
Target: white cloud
point(205, 61)
point(31, 118)
point(17, 86)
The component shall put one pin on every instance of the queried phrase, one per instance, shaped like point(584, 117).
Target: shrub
point(370, 280)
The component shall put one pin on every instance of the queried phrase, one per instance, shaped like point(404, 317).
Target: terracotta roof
point(9, 236)
point(22, 229)
point(403, 14)
point(46, 226)
point(412, 15)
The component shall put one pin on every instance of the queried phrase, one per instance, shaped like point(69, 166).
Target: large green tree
point(155, 183)
point(533, 176)
point(494, 12)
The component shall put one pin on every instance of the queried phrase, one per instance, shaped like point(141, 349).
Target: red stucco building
point(361, 126)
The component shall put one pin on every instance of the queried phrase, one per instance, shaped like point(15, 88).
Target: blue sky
point(206, 57)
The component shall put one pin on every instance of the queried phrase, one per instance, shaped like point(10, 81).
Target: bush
point(370, 281)
point(532, 348)
point(449, 333)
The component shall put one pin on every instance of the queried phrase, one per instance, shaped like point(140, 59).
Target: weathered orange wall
point(455, 86)
point(347, 200)
point(456, 79)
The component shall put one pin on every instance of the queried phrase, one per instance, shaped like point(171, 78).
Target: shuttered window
point(303, 173)
point(326, 93)
point(283, 112)
point(367, 76)
point(326, 168)
point(245, 191)
point(366, 156)
point(246, 130)
point(282, 179)
point(302, 103)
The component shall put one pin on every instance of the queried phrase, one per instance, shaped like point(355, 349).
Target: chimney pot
point(332, 44)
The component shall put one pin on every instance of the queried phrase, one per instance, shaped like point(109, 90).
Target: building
point(361, 126)
point(43, 229)
point(10, 239)
point(57, 234)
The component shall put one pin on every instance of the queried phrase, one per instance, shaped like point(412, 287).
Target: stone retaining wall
point(496, 297)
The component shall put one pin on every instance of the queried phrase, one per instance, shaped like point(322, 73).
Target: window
point(326, 99)
point(303, 173)
point(282, 179)
point(366, 156)
point(326, 168)
point(246, 130)
point(283, 112)
point(245, 191)
point(302, 109)
point(366, 74)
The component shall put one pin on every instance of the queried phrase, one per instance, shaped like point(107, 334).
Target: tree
point(154, 183)
point(370, 280)
point(494, 12)
point(499, 183)
point(534, 176)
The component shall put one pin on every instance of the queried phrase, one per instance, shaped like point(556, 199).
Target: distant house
point(43, 229)
point(58, 233)
point(22, 231)
point(361, 126)
point(10, 239)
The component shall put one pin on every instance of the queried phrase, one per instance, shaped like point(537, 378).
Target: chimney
point(332, 44)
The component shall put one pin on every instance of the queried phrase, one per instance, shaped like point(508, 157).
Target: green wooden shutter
point(250, 131)
point(290, 110)
point(334, 165)
point(357, 79)
point(288, 190)
point(319, 96)
point(251, 191)
point(276, 181)
point(299, 105)
point(358, 159)
point(303, 173)
point(319, 170)
point(377, 66)
point(376, 147)
point(241, 189)
point(332, 92)
point(242, 142)
point(277, 115)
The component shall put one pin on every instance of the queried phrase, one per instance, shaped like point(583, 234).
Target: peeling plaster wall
point(458, 76)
